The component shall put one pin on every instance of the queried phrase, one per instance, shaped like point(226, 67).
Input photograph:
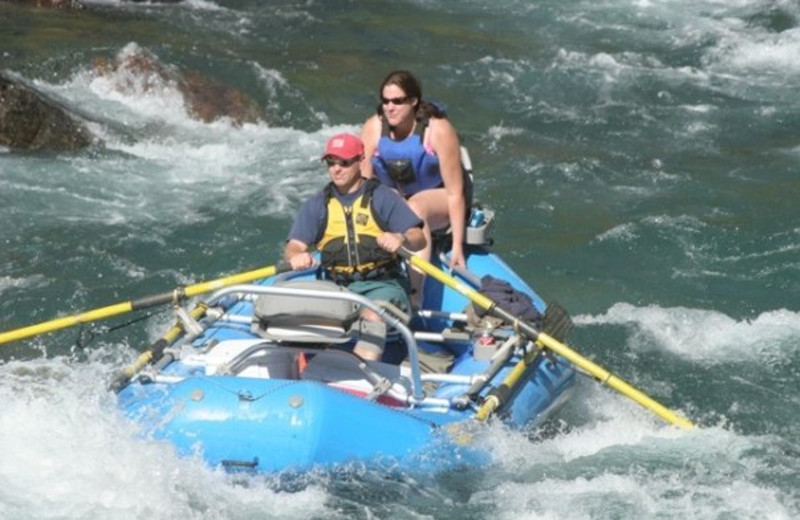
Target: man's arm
point(412, 239)
point(303, 234)
point(297, 255)
point(403, 226)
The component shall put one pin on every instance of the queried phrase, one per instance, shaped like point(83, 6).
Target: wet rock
point(210, 100)
point(30, 121)
point(136, 71)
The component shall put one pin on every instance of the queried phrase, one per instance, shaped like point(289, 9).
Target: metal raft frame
point(417, 397)
point(417, 393)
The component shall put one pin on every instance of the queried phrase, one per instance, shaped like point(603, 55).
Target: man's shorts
point(394, 291)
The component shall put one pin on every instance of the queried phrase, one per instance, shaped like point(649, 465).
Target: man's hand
point(391, 241)
point(296, 255)
point(301, 261)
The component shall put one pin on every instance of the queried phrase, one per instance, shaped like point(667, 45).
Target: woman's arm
point(370, 134)
point(445, 144)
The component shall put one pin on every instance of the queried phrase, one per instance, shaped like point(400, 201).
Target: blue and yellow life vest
point(348, 244)
point(406, 165)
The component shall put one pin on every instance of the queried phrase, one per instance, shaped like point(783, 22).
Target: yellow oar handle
point(603, 375)
point(141, 303)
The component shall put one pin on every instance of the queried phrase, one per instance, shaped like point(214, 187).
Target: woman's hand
point(457, 258)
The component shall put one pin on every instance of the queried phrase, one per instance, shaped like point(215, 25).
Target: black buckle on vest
point(400, 170)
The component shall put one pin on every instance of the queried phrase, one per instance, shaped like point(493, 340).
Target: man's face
point(344, 173)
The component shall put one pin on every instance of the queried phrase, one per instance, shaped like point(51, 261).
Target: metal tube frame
point(413, 354)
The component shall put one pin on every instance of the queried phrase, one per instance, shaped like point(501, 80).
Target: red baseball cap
point(344, 146)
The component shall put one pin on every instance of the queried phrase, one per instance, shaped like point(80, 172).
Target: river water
point(642, 157)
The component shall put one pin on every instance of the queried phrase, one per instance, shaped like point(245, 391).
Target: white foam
point(69, 453)
point(278, 88)
point(144, 92)
point(497, 133)
point(677, 222)
point(272, 78)
point(626, 463)
point(704, 335)
point(700, 109)
point(200, 5)
point(631, 231)
point(29, 282)
point(203, 5)
point(738, 52)
point(758, 51)
point(161, 165)
point(632, 495)
point(621, 233)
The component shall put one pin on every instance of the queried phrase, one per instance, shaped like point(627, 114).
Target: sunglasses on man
point(344, 163)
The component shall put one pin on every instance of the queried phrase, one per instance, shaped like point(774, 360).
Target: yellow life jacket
point(349, 246)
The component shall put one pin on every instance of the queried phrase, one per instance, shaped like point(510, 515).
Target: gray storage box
point(302, 318)
point(478, 232)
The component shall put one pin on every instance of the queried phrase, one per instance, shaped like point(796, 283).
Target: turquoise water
point(642, 157)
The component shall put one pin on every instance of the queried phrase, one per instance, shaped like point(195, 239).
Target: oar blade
point(556, 321)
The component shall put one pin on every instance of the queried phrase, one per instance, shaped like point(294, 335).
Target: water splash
point(71, 454)
point(704, 335)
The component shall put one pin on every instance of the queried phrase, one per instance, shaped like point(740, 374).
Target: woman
point(414, 149)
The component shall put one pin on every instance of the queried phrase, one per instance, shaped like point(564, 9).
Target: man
point(357, 225)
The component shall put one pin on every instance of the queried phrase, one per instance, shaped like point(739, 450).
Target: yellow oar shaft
point(168, 338)
point(142, 303)
point(556, 346)
point(63, 323)
point(249, 276)
point(155, 350)
point(609, 379)
point(494, 401)
point(432, 271)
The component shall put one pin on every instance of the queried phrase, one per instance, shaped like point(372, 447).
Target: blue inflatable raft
point(262, 377)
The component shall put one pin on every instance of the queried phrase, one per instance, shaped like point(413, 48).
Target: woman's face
point(397, 107)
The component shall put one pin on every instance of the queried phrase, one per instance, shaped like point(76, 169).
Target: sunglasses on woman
point(344, 163)
point(395, 101)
